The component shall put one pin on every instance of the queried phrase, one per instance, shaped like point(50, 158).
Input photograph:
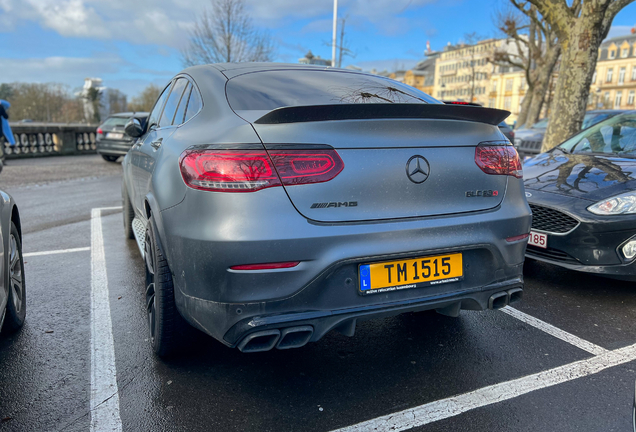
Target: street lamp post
point(335, 27)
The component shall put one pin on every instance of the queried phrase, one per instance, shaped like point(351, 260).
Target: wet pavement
point(483, 371)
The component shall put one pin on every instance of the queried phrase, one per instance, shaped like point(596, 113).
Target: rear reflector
point(270, 266)
point(517, 238)
point(498, 160)
point(252, 170)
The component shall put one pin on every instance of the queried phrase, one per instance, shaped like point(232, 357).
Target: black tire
point(168, 329)
point(129, 213)
point(110, 158)
point(16, 303)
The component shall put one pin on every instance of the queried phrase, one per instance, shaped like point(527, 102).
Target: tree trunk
point(542, 84)
point(581, 28)
point(525, 106)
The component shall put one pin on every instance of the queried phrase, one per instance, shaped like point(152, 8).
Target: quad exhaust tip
point(292, 337)
point(504, 298)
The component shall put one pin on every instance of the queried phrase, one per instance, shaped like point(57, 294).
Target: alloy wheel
point(15, 271)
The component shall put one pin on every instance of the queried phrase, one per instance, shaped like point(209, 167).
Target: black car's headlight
point(620, 204)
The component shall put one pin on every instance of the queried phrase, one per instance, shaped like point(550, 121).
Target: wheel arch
point(15, 218)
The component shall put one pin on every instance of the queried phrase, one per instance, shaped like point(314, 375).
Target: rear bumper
point(113, 147)
point(234, 229)
point(318, 323)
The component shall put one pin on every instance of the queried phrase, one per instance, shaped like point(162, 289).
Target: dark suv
point(112, 142)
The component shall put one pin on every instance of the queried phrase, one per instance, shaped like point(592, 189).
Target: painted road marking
point(452, 406)
point(555, 331)
point(58, 251)
point(104, 392)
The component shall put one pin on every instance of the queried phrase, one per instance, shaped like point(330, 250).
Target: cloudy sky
point(130, 43)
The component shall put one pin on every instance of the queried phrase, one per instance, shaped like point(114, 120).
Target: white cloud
point(167, 21)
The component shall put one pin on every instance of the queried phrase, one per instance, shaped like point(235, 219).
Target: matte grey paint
point(204, 233)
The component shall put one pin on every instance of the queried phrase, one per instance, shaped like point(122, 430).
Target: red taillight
point(270, 266)
point(306, 166)
point(498, 160)
point(252, 170)
point(100, 131)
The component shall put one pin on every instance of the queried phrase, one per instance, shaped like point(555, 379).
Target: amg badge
point(335, 204)
point(482, 193)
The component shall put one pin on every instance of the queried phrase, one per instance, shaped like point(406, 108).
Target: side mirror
point(135, 127)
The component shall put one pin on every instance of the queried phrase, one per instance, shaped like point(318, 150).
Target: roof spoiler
point(312, 113)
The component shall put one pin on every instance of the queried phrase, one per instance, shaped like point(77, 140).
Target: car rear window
point(115, 121)
point(275, 89)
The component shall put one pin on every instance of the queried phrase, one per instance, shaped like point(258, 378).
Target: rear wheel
point(16, 304)
point(129, 213)
point(167, 327)
point(110, 158)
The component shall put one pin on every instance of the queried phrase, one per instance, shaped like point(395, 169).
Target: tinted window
point(541, 124)
point(153, 119)
point(115, 122)
point(275, 89)
point(616, 135)
point(178, 117)
point(172, 102)
point(592, 119)
point(194, 104)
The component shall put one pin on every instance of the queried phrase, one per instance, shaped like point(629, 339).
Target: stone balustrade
point(44, 139)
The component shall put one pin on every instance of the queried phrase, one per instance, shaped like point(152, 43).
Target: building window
point(594, 78)
point(621, 76)
point(522, 86)
point(617, 99)
point(630, 98)
point(610, 75)
point(491, 102)
point(606, 97)
point(612, 54)
point(494, 84)
point(624, 52)
point(509, 85)
point(507, 103)
point(633, 73)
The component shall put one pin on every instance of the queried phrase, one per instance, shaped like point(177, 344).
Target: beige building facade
point(614, 82)
point(462, 70)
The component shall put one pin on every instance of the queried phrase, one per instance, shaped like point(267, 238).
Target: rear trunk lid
point(381, 178)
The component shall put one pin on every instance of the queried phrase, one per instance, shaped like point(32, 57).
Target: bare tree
point(580, 26)
point(145, 100)
point(225, 34)
point(536, 52)
point(50, 102)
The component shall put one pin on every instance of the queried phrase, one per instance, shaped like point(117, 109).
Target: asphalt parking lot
point(562, 360)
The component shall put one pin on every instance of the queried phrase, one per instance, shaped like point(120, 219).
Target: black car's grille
point(550, 220)
point(550, 254)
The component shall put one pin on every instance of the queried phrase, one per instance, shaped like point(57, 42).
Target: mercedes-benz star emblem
point(417, 169)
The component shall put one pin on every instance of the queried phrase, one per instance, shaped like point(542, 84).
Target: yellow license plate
point(411, 273)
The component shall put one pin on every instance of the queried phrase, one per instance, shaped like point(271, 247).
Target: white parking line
point(58, 251)
point(449, 407)
point(554, 331)
point(104, 399)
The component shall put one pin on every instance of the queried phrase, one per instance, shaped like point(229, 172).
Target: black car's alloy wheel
point(167, 328)
point(16, 305)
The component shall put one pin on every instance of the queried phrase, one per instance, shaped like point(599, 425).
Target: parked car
point(13, 290)
point(583, 199)
point(274, 203)
point(528, 141)
point(111, 139)
point(507, 131)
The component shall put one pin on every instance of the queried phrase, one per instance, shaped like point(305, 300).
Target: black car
point(528, 141)
point(112, 141)
point(583, 199)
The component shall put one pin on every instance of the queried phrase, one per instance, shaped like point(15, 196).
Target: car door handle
point(157, 143)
